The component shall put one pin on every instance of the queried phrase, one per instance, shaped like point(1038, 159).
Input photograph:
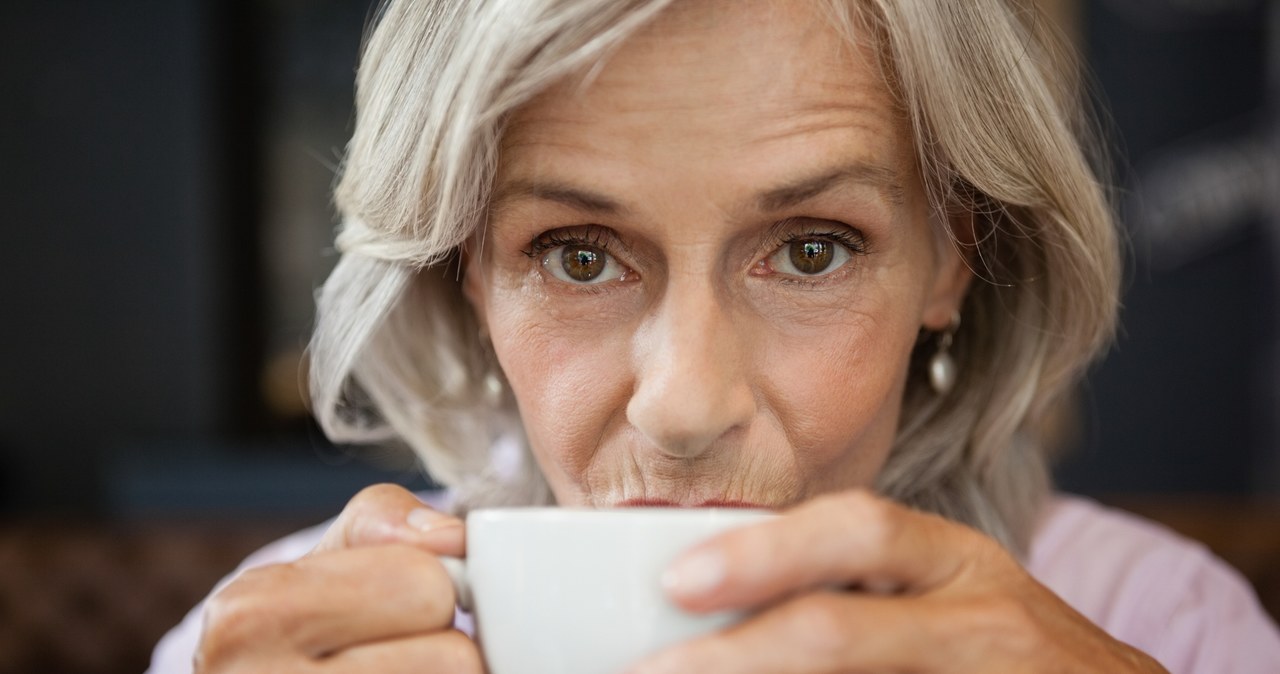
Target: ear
point(474, 287)
point(954, 272)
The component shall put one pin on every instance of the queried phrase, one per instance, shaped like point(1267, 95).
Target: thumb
point(388, 514)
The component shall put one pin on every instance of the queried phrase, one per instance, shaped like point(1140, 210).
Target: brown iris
point(582, 263)
point(811, 256)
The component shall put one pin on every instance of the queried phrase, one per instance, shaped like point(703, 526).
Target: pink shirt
point(1143, 584)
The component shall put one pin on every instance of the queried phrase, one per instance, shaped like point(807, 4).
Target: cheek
point(568, 380)
point(837, 393)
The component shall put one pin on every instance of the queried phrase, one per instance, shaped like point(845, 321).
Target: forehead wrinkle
point(888, 178)
point(849, 108)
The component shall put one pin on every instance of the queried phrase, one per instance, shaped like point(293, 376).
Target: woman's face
point(707, 265)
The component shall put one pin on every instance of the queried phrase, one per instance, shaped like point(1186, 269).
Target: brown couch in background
point(77, 598)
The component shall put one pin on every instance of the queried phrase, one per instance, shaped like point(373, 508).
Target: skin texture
point(704, 370)
point(701, 366)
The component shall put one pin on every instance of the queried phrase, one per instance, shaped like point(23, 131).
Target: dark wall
point(119, 289)
point(1189, 400)
point(135, 145)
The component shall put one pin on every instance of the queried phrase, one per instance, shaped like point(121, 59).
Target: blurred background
point(166, 169)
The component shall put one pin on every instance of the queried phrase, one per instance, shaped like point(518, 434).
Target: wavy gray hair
point(396, 355)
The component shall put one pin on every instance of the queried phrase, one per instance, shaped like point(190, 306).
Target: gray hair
point(397, 355)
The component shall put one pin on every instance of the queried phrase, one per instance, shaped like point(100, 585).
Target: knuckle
point(230, 623)
point(439, 596)
point(1004, 622)
point(433, 590)
point(987, 552)
point(821, 624)
point(247, 611)
point(440, 599)
point(876, 518)
point(458, 654)
point(370, 497)
point(266, 576)
point(370, 517)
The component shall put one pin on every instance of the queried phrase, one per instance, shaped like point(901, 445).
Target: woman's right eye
point(582, 264)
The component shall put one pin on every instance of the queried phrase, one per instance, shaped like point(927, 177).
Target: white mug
point(570, 591)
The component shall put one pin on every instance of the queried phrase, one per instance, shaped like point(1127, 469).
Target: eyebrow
point(573, 197)
point(881, 178)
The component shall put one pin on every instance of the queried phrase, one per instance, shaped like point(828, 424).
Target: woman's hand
point(917, 593)
point(371, 597)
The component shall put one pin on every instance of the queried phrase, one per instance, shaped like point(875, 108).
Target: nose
point(691, 386)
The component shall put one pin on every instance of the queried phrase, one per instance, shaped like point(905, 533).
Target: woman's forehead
point(768, 92)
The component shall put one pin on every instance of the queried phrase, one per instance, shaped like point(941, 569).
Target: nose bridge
point(691, 384)
point(697, 331)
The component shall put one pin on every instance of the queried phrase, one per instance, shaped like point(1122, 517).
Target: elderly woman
point(831, 257)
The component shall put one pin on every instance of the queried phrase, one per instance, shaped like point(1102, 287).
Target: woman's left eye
point(582, 264)
point(809, 256)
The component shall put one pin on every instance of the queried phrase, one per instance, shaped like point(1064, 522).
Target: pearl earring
point(492, 388)
point(492, 382)
point(942, 367)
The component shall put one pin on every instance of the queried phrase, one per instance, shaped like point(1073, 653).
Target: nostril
point(683, 443)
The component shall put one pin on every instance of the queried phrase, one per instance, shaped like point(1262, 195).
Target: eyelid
point(790, 230)
point(599, 236)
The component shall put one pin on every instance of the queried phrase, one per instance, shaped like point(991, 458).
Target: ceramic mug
point(570, 591)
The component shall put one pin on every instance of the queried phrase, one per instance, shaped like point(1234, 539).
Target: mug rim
point(579, 514)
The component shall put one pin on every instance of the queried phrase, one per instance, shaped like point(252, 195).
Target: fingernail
point(424, 519)
point(695, 574)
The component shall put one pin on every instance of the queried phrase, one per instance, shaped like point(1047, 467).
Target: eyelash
point(849, 238)
point(591, 235)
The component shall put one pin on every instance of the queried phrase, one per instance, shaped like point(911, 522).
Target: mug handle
point(457, 570)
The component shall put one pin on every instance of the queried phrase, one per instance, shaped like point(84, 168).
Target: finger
point(325, 603)
point(814, 633)
point(448, 652)
point(387, 513)
point(850, 539)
